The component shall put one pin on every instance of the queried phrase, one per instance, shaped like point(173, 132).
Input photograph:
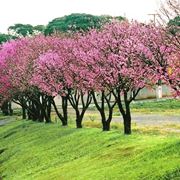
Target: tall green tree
point(77, 23)
point(22, 30)
point(175, 21)
point(39, 28)
point(4, 38)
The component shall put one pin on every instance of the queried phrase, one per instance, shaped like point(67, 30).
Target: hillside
point(31, 150)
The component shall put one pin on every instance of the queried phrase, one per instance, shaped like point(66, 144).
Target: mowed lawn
point(30, 150)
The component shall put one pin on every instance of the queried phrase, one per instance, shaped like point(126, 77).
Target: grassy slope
point(48, 151)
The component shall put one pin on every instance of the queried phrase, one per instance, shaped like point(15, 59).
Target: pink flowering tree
point(115, 62)
point(80, 95)
point(95, 75)
point(49, 78)
point(19, 57)
point(174, 59)
point(161, 53)
point(60, 72)
point(5, 85)
point(173, 72)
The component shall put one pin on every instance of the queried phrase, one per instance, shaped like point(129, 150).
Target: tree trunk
point(23, 112)
point(127, 124)
point(10, 109)
point(64, 120)
point(78, 119)
point(48, 110)
point(65, 113)
point(4, 109)
point(106, 125)
point(126, 113)
point(106, 121)
point(79, 122)
point(127, 120)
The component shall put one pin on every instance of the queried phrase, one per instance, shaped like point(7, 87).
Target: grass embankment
point(48, 151)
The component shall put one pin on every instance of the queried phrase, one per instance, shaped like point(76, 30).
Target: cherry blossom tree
point(19, 57)
point(59, 72)
point(49, 78)
point(130, 75)
point(114, 66)
point(161, 53)
point(95, 75)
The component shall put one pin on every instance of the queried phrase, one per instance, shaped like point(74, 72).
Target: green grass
point(160, 106)
point(167, 107)
point(32, 150)
point(171, 106)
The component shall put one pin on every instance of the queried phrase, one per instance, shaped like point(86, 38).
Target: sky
point(42, 11)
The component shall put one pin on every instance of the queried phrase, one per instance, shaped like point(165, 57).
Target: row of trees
point(115, 61)
point(68, 24)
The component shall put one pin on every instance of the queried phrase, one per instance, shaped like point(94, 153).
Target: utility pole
point(159, 83)
point(154, 17)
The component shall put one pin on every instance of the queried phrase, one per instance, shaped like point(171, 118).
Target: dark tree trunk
point(75, 99)
point(127, 124)
point(64, 116)
point(127, 117)
point(106, 121)
point(29, 113)
point(48, 110)
point(10, 109)
point(64, 108)
point(79, 118)
point(125, 111)
point(64, 122)
point(106, 125)
point(45, 107)
point(5, 109)
point(23, 112)
point(78, 122)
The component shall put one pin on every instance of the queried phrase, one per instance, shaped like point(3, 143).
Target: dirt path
point(151, 119)
point(139, 119)
point(6, 120)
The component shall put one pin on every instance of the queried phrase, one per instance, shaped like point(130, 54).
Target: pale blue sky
point(42, 11)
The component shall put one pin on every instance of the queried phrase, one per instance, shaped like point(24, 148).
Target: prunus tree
point(19, 57)
point(6, 105)
point(162, 54)
point(59, 72)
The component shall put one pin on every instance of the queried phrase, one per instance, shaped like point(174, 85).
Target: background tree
point(22, 30)
point(39, 28)
point(77, 23)
point(168, 11)
point(5, 38)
